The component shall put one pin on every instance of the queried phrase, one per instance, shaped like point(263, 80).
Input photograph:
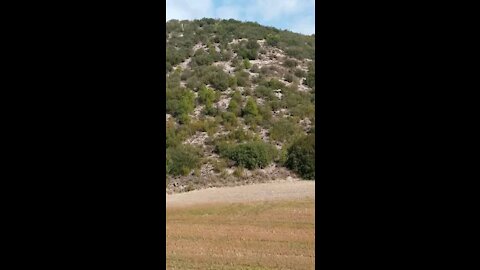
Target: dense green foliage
point(234, 90)
point(251, 155)
point(284, 130)
point(301, 157)
point(182, 159)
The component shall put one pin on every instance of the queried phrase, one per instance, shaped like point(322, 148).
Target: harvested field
point(260, 235)
point(276, 232)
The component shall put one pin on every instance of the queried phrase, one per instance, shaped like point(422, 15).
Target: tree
point(250, 108)
point(234, 108)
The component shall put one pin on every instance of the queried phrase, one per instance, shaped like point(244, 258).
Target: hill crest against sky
point(295, 15)
point(240, 103)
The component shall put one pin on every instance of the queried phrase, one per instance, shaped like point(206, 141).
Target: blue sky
point(294, 15)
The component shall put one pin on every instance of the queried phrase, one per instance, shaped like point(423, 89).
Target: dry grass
point(261, 235)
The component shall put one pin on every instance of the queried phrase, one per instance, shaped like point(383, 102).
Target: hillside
point(240, 104)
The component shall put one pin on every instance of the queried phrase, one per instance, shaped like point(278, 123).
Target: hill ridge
point(240, 102)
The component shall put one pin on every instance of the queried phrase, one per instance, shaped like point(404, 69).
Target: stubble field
point(266, 234)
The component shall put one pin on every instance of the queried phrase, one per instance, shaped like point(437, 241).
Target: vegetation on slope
point(238, 94)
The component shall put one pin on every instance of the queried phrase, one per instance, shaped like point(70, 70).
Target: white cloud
point(188, 10)
point(295, 15)
point(273, 9)
point(304, 25)
point(278, 9)
point(227, 12)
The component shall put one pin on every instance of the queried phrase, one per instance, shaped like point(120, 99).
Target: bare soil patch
point(278, 190)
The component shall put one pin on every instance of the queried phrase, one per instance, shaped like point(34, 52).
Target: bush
point(272, 40)
point(284, 130)
point(300, 73)
point(247, 64)
point(310, 78)
point(242, 78)
point(239, 135)
point(234, 107)
point(229, 118)
point(301, 157)
point(289, 77)
point(251, 108)
point(179, 101)
point(251, 155)
point(255, 69)
point(171, 136)
point(206, 95)
point(237, 97)
point(264, 92)
point(290, 63)
point(181, 160)
point(265, 111)
point(219, 80)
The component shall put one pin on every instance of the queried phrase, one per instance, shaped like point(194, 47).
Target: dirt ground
point(278, 190)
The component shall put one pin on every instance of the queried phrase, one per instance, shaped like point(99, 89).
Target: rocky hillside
point(240, 104)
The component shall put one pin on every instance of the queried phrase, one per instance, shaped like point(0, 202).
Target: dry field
point(251, 234)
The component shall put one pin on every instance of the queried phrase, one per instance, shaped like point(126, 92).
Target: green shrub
point(239, 135)
point(219, 80)
point(232, 81)
point(264, 92)
point(265, 111)
point(194, 83)
point(234, 108)
point(237, 97)
point(242, 78)
point(179, 101)
point(310, 78)
point(251, 155)
point(251, 108)
point(172, 138)
point(183, 118)
point(284, 130)
point(247, 64)
point(248, 50)
point(289, 77)
point(300, 73)
point(202, 58)
point(301, 157)
point(206, 95)
point(290, 63)
point(274, 84)
point(181, 160)
point(229, 118)
point(272, 39)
